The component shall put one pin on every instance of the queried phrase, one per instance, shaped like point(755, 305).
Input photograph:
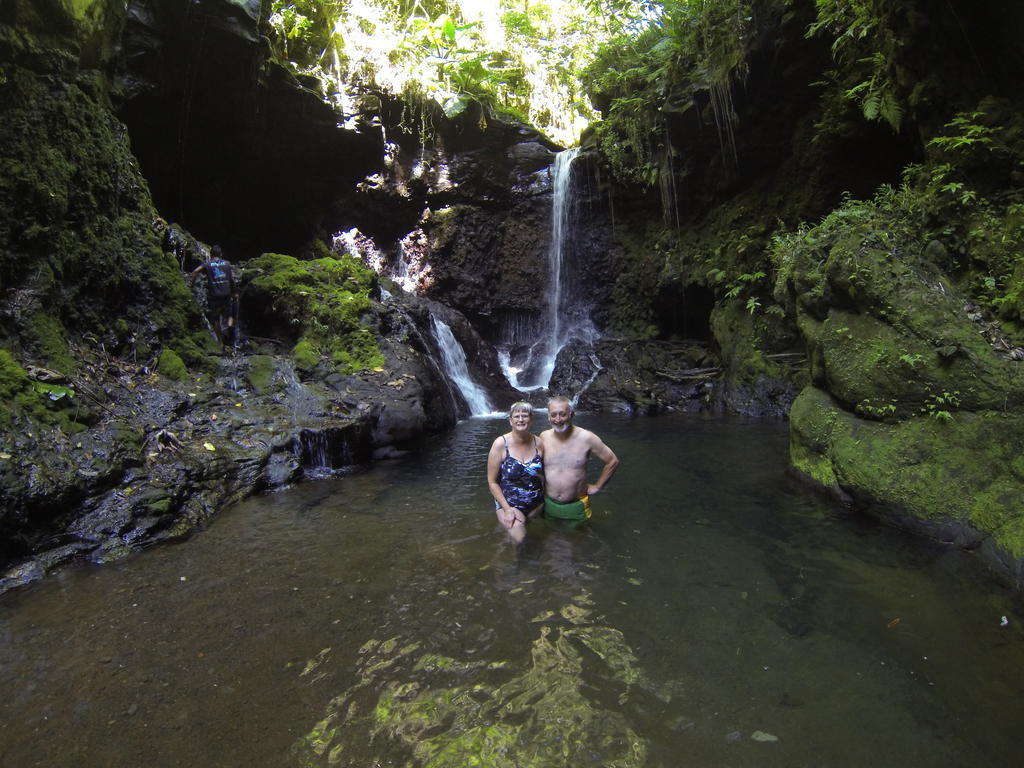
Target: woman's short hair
point(520, 405)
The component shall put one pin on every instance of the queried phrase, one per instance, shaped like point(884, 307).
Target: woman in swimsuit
point(515, 472)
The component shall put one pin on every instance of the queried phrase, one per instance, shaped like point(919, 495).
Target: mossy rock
point(885, 330)
point(18, 393)
point(747, 338)
point(305, 355)
point(322, 305)
point(260, 374)
point(42, 403)
point(965, 470)
point(76, 236)
point(47, 339)
point(812, 418)
point(170, 364)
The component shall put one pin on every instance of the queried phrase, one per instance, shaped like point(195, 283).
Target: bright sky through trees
point(524, 56)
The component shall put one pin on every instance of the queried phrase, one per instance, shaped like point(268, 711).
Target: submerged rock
point(446, 711)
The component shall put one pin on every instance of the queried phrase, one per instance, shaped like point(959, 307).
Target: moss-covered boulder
point(913, 410)
point(321, 305)
point(959, 479)
point(887, 328)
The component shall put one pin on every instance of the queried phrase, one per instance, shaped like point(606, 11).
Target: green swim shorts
point(571, 512)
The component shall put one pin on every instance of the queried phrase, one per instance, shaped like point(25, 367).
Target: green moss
point(317, 248)
point(321, 303)
point(812, 418)
point(305, 355)
point(48, 340)
point(261, 372)
point(861, 356)
point(17, 391)
point(48, 404)
point(171, 365)
point(996, 510)
point(746, 339)
point(883, 324)
point(160, 506)
point(75, 226)
point(965, 470)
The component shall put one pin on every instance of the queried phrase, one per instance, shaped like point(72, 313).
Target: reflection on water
point(713, 613)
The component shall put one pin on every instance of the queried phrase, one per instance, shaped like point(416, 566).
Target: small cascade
point(519, 351)
point(598, 367)
point(453, 361)
point(567, 315)
point(314, 451)
point(328, 450)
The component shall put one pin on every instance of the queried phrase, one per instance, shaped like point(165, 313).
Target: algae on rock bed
point(448, 712)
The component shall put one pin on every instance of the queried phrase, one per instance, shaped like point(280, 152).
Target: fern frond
point(891, 110)
point(871, 106)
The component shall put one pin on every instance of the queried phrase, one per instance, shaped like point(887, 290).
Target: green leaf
point(448, 28)
point(455, 105)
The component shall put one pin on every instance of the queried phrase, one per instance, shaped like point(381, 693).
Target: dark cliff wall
point(234, 147)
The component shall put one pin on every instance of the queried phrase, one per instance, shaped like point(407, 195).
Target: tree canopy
point(522, 57)
point(561, 65)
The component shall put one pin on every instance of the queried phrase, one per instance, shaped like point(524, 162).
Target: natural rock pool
point(714, 613)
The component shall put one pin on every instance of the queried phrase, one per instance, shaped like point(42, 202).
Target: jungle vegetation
point(562, 65)
point(519, 58)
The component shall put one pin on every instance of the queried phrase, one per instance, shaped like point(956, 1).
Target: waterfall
point(314, 453)
point(560, 208)
point(567, 316)
point(453, 360)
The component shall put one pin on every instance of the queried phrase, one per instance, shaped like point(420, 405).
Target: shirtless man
point(566, 450)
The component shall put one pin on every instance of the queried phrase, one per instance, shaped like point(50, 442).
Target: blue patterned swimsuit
point(522, 483)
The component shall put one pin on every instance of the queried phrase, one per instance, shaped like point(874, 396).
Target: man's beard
point(561, 427)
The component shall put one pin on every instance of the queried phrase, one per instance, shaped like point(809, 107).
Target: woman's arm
point(506, 514)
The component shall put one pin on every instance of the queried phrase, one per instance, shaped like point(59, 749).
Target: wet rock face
point(643, 377)
point(166, 456)
point(233, 146)
point(471, 209)
point(77, 248)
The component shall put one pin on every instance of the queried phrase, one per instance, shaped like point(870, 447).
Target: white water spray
point(453, 360)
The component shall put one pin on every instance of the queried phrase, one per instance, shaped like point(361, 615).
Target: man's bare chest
point(571, 456)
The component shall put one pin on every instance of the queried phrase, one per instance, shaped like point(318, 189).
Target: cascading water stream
point(453, 361)
point(560, 209)
point(567, 314)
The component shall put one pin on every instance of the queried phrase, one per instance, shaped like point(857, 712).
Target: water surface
point(714, 613)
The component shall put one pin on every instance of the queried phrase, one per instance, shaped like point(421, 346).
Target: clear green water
point(714, 613)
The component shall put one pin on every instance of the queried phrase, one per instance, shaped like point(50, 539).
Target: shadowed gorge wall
point(234, 146)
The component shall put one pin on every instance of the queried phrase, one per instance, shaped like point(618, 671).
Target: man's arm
point(611, 463)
